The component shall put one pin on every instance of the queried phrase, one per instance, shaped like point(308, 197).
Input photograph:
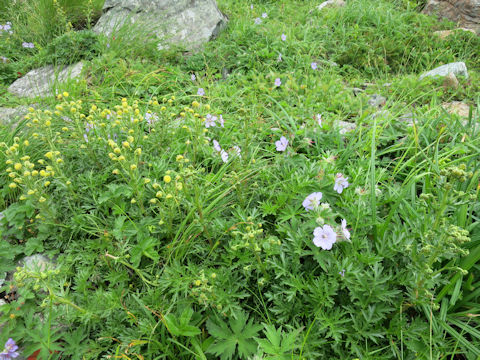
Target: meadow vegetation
point(207, 205)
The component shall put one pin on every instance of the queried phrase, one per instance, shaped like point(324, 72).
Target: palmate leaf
point(227, 336)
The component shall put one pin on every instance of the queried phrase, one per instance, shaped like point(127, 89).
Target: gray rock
point(357, 91)
point(37, 262)
point(345, 126)
point(443, 34)
point(407, 119)
point(41, 82)
point(377, 100)
point(466, 13)
point(10, 117)
point(457, 68)
point(182, 22)
point(451, 81)
point(331, 3)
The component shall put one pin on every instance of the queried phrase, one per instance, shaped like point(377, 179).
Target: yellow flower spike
point(46, 183)
point(43, 173)
point(198, 282)
point(12, 185)
point(35, 121)
point(26, 143)
point(130, 139)
point(155, 103)
point(68, 182)
point(119, 113)
point(48, 168)
point(125, 144)
point(137, 111)
point(23, 197)
point(173, 97)
point(195, 104)
point(18, 180)
point(138, 151)
point(59, 107)
point(8, 169)
point(167, 178)
point(170, 101)
point(184, 127)
point(42, 199)
point(159, 194)
point(117, 150)
point(24, 158)
point(35, 135)
point(133, 167)
point(207, 107)
point(124, 100)
point(111, 155)
point(48, 123)
point(8, 162)
point(115, 172)
point(59, 161)
point(30, 192)
point(73, 110)
point(179, 158)
point(59, 97)
point(131, 131)
point(169, 196)
point(31, 109)
point(196, 115)
point(82, 116)
point(47, 112)
point(121, 158)
point(179, 186)
point(49, 155)
point(26, 173)
point(41, 161)
point(163, 108)
point(146, 180)
point(153, 201)
point(57, 152)
point(34, 173)
point(133, 201)
point(65, 94)
point(52, 173)
point(182, 114)
point(17, 166)
point(94, 107)
point(64, 128)
point(155, 185)
point(12, 175)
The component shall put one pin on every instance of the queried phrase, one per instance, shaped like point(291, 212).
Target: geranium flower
point(201, 92)
point(284, 37)
point(216, 146)
point(220, 120)
point(340, 183)
point(10, 350)
point(258, 21)
point(345, 231)
point(224, 156)
point(238, 151)
point(281, 144)
point(314, 65)
point(278, 82)
point(210, 121)
point(279, 57)
point(264, 15)
point(193, 77)
point(319, 119)
point(312, 201)
point(324, 237)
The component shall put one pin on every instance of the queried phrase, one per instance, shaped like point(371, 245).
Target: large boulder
point(11, 117)
point(41, 82)
point(464, 12)
point(187, 23)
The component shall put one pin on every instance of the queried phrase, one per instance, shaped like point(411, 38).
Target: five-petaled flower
point(324, 237)
point(340, 183)
point(345, 231)
point(284, 37)
point(314, 65)
point(200, 92)
point(281, 144)
point(319, 119)
point(278, 82)
point(312, 201)
point(264, 15)
point(224, 156)
point(10, 350)
point(210, 120)
point(238, 150)
point(258, 21)
point(193, 77)
point(220, 120)
point(216, 146)
point(279, 57)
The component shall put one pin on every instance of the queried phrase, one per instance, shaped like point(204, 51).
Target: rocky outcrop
point(466, 13)
point(457, 68)
point(182, 22)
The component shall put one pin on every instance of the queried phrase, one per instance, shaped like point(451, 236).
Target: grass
point(165, 251)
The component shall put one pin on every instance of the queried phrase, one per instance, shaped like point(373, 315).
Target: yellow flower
point(34, 173)
point(42, 199)
point(49, 155)
point(179, 158)
point(46, 183)
point(43, 173)
point(133, 167)
point(167, 178)
point(133, 201)
point(195, 104)
point(59, 161)
point(8, 162)
point(115, 172)
point(12, 185)
point(26, 173)
point(94, 107)
point(68, 182)
point(17, 166)
point(138, 151)
point(26, 143)
point(207, 107)
point(153, 201)
point(117, 150)
point(130, 139)
point(121, 158)
point(146, 180)
point(30, 192)
point(23, 197)
point(73, 110)
point(65, 94)
point(48, 123)
point(163, 108)
point(169, 196)
point(125, 144)
point(159, 194)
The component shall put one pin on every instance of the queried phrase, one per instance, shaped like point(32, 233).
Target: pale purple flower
point(210, 121)
point(193, 77)
point(237, 149)
point(151, 118)
point(108, 45)
point(88, 127)
point(279, 57)
point(224, 156)
point(342, 272)
point(278, 82)
point(216, 146)
point(258, 21)
point(220, 120)
point(284, 37)
point(85, 136)
point(4, 59)
point(314, 65)
point(201, 92)
point(340, 183)
point(10, 350)
point(251, 6)
point(281, 144)
point(28, 45)
point(264, 15)
point(318, 117)
point(345, 231)
point(324, 237)
point(312, 201)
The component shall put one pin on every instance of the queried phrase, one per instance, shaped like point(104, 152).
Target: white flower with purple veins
point(284, 37)
point(220, 120)
point(314, 65)
point(324, 237)
point(318, 117)
point(340, 183)
point(151, 118)
point(312, 201)
point(345, 231)
point(224, 156)
point(279, 57)
point(281, 144)
point(210, 121)
point(258, 21)
point(238, 151)
point(4, 59)
point(28, 45)
point(216, 146)
point(201, 92)
point(278, 82)
point(251, 6)
point(193, 77)
point(264, 15)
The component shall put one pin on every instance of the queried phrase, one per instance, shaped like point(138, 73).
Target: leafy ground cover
point(206, 205)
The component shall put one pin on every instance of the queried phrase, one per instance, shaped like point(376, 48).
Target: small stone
point(457, 107)
point(37, 262)
point(357, 91)
point(407, 119)
point(331, 3)
point(377, 100)
point(450, 81)
point(442, 34)
point(457, 68)
point(11, 116)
